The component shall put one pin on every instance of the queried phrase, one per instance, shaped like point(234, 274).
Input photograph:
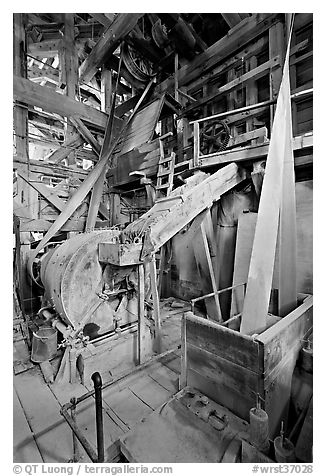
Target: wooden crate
point(232, 368)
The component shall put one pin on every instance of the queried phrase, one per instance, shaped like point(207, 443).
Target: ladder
point(166, 166)
point(164, 182)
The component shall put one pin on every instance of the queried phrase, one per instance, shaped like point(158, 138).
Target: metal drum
point(73, 277)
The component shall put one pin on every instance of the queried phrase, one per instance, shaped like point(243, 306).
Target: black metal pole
point(96, 377)
point(76, 455)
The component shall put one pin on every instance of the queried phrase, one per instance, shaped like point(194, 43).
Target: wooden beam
point(71, 142)
point(106, 90)
point(276, 46)
point(206, 272)
point(41, 225)
point(108, 42)
point(20, 113)
point(193, 202)
point(156, 303)
point(255, 73)
point(253, 153)
point(95, 201)
point(39, 167)
point(126, 106)
point(45, 191)
point(86, 134)
point(101, 18)
point(236, 38)
point(44, 49)
point(231, 19)
point(141, 314)
point(70, 56)
point(26, 91)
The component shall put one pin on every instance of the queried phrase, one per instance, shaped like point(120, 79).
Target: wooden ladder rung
point(165, 160)
point(164, 173)
point(161, 187)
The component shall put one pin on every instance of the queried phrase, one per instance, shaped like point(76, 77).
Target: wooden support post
point(106, 90)
point(95, 202)
point(251, 92)
point(86, 134)
point(70, 56)
point(69, 71)
point(141, 314)
point(276, 47)
point(20, 70)
point(196, 145)
point(156, 303)
point(176, 84)
point(206, 272)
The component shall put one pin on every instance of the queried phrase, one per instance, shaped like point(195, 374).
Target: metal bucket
point(44, 344)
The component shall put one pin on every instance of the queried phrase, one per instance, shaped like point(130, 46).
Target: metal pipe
point(81, 438)
point(252, 106)
point(76, 455)
point(96, 377)
point(200, 298)
point(126, 374)
point(65, 330)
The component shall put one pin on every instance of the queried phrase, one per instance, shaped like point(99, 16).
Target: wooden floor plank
point(52, 433)
point(85, 415)
point(127, 406)
point(150, 392)
point(173, 362)
point(25, 447)
point(165, 377)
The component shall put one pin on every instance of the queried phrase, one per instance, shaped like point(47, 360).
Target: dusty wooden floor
point(42, 435)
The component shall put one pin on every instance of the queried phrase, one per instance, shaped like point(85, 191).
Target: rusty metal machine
point(100, 286)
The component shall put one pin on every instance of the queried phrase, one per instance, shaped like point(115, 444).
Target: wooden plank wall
point(222, 364)
point(231, 368)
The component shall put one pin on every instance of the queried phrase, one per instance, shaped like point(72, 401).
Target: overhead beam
point(236, 38)
point(32, 94)
point(101, 18)
point(231, 19)
point(107, 43)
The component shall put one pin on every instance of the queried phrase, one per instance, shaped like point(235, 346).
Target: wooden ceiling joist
point(106, 45)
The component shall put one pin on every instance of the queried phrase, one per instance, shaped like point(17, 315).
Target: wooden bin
point(232, 368)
